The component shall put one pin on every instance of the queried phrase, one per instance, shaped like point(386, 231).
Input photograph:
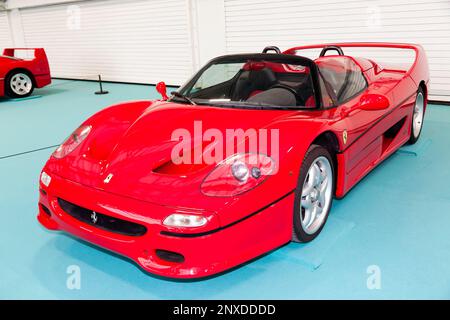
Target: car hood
point(132, 157)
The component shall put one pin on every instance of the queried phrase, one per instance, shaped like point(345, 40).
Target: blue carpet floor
point(396, 221)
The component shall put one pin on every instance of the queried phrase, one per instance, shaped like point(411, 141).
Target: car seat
point(251, 82)
point(275, 96)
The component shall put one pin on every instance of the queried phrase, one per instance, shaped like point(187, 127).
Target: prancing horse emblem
point(108, 178)
point(94, 217)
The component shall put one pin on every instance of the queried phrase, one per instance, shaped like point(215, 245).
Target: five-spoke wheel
point(19, 84)
point(314, 194)
point(417, 117)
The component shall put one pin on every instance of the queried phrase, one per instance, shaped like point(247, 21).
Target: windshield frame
point(279, 58)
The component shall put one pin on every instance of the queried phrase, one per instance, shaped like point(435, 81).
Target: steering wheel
point(300, 100)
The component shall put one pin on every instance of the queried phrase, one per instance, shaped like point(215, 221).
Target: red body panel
point(38, 67)
point(132, 140)
point(205, 255)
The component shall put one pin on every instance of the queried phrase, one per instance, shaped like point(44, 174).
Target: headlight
point(240, 171)
point(184, 220)
point(72, 142)
point(238, 174)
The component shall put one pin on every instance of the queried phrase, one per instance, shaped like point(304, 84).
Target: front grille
point(102, 221)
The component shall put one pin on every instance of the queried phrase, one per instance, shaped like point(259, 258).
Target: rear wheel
point(417, 118)
point(19, 85)
point(314, 194)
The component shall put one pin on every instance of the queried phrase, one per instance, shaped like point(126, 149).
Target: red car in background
point(19, 76)
point(118, 181)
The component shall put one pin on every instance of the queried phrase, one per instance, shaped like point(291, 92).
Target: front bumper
point(204, 254)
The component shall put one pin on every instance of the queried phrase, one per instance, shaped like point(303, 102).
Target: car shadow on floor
point(99, 266)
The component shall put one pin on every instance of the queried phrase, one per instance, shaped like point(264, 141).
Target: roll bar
point(271, 48)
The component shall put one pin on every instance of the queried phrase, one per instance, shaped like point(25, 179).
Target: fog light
point(45, 179)
point(184, 220)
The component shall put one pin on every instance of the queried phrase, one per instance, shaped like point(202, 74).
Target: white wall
point(144, 41)
point(210, 17)
point(5, 33)
point(152, 40)
point(16, 4)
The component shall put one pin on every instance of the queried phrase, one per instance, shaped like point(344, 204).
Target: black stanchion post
point(101, 86)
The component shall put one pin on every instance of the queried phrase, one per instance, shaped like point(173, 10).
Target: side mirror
point(373, 102)
point(162, 89)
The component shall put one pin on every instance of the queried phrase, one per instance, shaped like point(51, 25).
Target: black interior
point(250, 81)
point(277, 96)
point(263, 86)
point(295, 79)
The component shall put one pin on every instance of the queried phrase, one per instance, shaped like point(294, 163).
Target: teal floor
point(396, 221)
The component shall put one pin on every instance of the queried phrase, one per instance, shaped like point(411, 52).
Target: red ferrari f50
point(19, 77)
point(135, 180)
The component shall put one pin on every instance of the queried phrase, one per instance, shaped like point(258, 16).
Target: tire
point(19, 84)
point(417, 117)
point(310, 201)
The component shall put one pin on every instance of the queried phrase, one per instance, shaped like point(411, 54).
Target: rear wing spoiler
point(39, 58)
point(418, 71)
point(39, 53)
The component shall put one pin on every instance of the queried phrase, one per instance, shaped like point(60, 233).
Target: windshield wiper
point(182, 96)
point(242, 104)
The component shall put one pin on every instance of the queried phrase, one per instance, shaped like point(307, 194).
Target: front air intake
point(102, 221)
point(45, 209)
point(170, 256)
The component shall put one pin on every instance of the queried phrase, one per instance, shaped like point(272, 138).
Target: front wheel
point(314, 194)
point(417, 118)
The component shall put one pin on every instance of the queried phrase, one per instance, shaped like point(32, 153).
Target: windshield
point(341, 78)
point(251, 81)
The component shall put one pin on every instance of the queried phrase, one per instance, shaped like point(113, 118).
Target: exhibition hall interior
point(224, 149)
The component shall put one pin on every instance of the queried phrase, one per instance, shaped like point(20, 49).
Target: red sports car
point(245, 157)
point(19, 76)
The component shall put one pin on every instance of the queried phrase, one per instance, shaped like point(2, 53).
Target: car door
point(361, 128)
